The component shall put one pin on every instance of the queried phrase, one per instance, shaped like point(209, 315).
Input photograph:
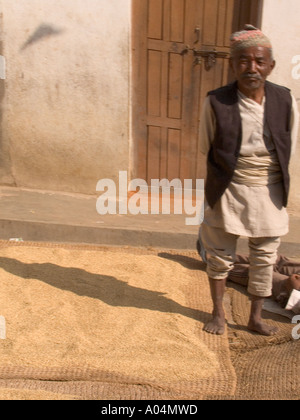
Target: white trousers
point(220, 248)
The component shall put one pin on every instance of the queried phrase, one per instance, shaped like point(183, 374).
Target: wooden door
point(172, 75)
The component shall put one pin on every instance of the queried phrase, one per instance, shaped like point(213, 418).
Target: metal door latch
point(210, 56)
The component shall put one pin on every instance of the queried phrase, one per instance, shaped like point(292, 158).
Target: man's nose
point(252, 66)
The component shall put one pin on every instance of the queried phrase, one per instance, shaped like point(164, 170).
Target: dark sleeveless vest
point(224, 152)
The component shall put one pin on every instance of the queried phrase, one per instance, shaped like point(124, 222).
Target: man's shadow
point(106, 288)
point(188, 262)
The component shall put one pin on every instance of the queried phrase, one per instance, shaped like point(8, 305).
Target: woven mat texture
point(59, 347)
point(267, 368)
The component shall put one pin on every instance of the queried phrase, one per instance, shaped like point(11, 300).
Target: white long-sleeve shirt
point(252, 204)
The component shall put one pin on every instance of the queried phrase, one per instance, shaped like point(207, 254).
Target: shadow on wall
point(43, 31)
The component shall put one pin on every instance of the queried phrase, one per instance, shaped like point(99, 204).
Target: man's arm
point(207, 127)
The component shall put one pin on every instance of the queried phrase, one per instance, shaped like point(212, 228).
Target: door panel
point(171, 78)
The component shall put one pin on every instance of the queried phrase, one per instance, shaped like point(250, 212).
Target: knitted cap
point(249, 37)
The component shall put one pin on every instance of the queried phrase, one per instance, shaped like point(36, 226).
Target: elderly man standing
point(248, 131)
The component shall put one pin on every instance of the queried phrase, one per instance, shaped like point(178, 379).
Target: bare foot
point(255, 321)
point(262, 328)
point(216, 325)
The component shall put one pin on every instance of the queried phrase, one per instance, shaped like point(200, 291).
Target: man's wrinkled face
point(251, 67)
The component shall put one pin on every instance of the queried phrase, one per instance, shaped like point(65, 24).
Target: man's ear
point(273, 64)
point(231, 65)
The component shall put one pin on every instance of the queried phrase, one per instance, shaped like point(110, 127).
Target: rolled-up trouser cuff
point(262, 257)
point(220, 248)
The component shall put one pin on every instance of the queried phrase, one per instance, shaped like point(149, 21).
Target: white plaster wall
point(66, 105)
point(280, 21)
